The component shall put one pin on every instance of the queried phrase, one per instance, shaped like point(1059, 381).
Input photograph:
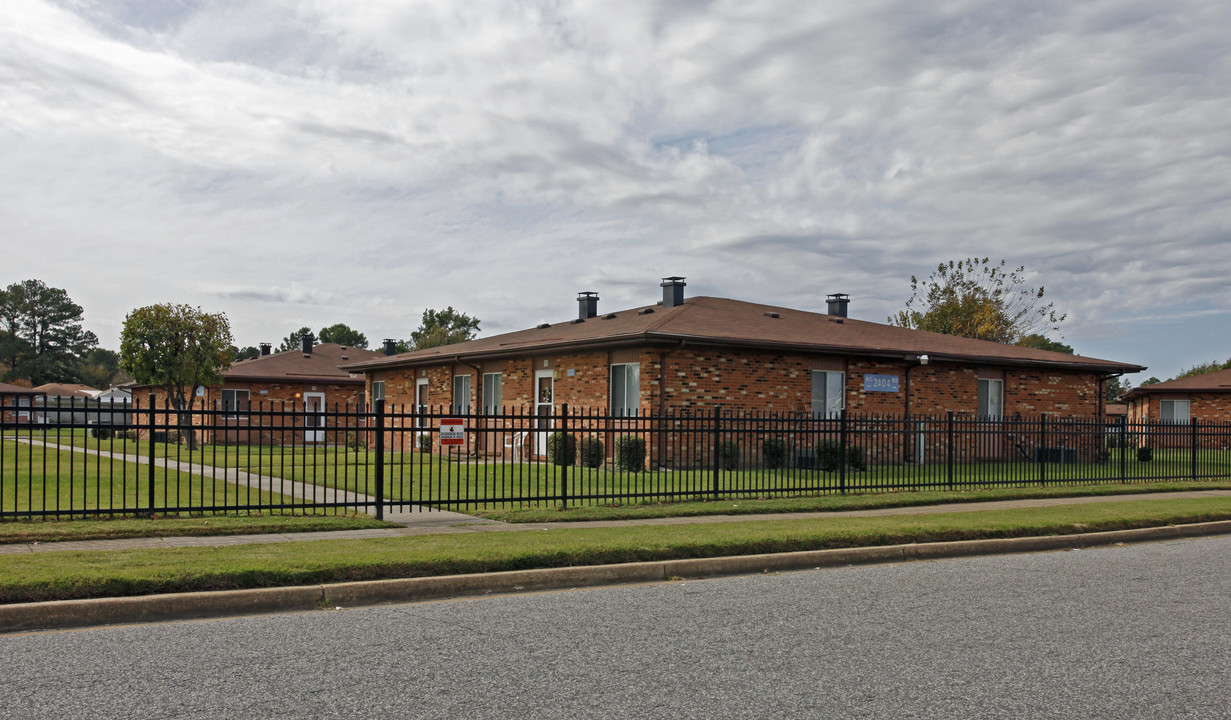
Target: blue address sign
point(880, 383)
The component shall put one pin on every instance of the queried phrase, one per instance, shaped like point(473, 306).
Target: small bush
point(355, 441)
point(728, 454)
point(630, 453)
point(425, 442)
point(592, 452)
point(773, 452)
point(562, 448)
point(1145, 454)
point(856, 459)
point(828, 455)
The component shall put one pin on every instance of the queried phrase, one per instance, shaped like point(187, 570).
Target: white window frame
point(624, 389)
point(378, 390)
point(994, 389)
point(1168, 407)
point(831, 401)
point(231, 411)
point(463, 407)
point(493, 393)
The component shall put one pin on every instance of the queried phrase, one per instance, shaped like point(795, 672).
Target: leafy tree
point(444, 327)
point(979, 299)
point(1042, 342)
point(1204, 368)
point(176, 348)
point(247, 353)
point(1115, 388)
point(98, 367)
point(342, 334)
point(1149, 381)
point(291, 342)
point(41, 337)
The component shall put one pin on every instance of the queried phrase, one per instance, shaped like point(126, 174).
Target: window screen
point(828, 393)
point(461, 394)
point(1174, 412)
point(625, 389)
point(493, 392)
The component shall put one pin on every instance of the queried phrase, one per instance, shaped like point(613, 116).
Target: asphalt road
point(1141, 631)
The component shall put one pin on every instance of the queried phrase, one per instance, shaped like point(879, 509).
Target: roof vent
point(838, 303)
point(771, 314)
point(306, 342)
point(587, 305)
point(391, 346)
point(673, 291)
point(265, 348)
point(544, 326)
point(645, 311)
point(609, 316)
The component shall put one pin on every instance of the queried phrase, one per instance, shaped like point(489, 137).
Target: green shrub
point(355, 441)
point(592, 452)
point(856, 459)
point(630, 453)
point(562, 448)
point(829, 457)
point(728, 454)
point(425, 442)
point(773, 452)
point(1145, 454)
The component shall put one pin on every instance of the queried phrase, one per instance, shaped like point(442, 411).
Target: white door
point(313, 417)
point(544, 392)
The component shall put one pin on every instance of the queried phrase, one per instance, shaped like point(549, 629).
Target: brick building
point(16, 403)
point(1200, 397)
point(701, 352)
point(303, 383)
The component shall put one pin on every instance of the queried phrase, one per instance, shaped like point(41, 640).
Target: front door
point(544, 391)
point(314, 417)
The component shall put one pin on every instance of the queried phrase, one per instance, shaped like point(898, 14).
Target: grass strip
point(65, 575)
point(25, 531)
point(834, 503)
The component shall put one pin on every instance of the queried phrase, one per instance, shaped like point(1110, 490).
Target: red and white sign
point(452, 431)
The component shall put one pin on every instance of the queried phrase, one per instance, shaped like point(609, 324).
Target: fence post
point(1192, 444)
point(1123, 448)
point(563, 451)
point(378, 406)
point(1042, 451)
point(151, 452)
point(842, 452)
point(949, 449)
point(714, 450)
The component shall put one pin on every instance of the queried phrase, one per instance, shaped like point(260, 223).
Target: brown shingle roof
point(67, 390)
point(7, 389)
point(720, 321)
point(1217, 381)
point(320, 365)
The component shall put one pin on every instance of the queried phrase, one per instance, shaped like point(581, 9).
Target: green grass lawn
point(112, 528)
point(44, 479)
point(63, 575)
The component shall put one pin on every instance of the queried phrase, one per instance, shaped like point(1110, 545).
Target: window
point(625, 389)
point(493, 392)
point(828, 393)
point(991, 398)
point(234, 402)
point(461, 394)
point(378, 390)
point(1173, 412)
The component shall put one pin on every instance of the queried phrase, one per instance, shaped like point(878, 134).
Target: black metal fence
point(144, 458)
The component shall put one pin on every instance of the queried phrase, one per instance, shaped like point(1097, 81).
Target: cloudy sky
point(306, 163)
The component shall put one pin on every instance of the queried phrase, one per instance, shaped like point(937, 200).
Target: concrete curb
point(64, 614)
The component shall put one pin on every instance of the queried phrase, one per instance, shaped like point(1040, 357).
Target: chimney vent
point(587, 305)
point(265, 348)
point(391, 346)
point(306, 342)
point(838, 303)
point(673, 291)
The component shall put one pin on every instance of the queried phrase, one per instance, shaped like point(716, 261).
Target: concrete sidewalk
point(433, 522)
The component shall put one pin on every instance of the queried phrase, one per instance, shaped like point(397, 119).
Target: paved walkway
point(433, 522)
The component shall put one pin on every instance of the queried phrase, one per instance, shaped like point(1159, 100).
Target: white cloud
point(366, 160)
